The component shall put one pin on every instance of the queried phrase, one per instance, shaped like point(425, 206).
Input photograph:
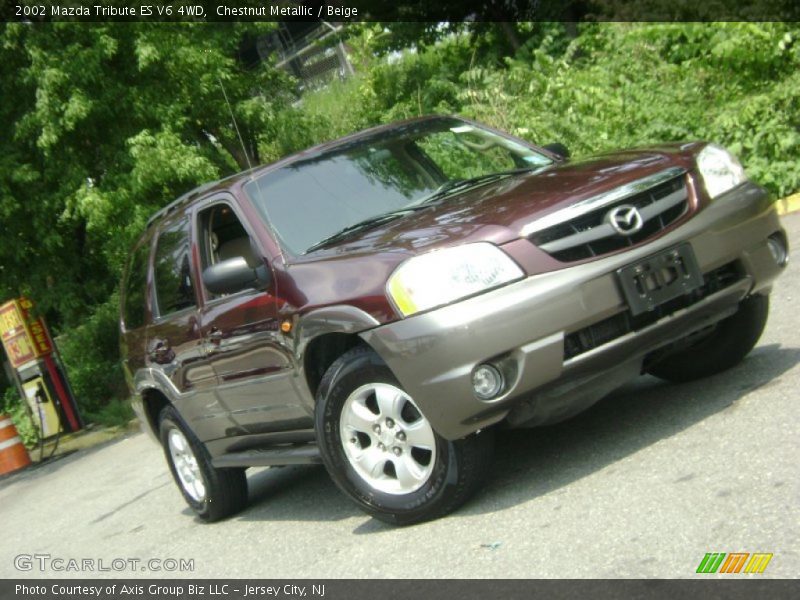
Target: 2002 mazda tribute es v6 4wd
point(387, 302)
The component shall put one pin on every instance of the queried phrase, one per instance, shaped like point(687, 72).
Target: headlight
point(720, 170)
point(443, 276)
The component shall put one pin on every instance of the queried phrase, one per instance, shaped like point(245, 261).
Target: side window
point(135, 286)
point(222, 236)
point(173, 278)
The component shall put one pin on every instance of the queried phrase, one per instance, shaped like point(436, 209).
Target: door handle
point(215, 336)
point(213, 340)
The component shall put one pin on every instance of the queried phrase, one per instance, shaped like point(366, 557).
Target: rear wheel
point(381, 450)
point(725, 347)
point(211, 493)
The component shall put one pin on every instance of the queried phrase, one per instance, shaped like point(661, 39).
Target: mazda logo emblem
point(625, 219)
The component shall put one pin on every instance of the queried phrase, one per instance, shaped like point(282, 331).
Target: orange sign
point(24, 338)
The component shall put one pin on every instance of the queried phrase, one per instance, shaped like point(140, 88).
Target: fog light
point(487, 381)
point(777, 246)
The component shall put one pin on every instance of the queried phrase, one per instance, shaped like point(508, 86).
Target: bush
point(12, 405)
point(117, 413)
point(91, 356)
point(615, 85)
point(624, 85)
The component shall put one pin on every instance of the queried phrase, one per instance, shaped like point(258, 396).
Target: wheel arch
point(153, 402)
point(322, 336)
point(322, 352)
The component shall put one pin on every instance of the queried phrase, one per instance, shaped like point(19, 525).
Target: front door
point(241, 334)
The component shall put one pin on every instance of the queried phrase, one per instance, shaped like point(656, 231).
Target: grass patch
point(117, 413)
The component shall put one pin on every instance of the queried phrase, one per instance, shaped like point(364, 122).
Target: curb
point(789, 204)
point(86, 438)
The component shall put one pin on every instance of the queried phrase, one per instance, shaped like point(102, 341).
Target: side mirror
point(558, 149)
point(233, 275)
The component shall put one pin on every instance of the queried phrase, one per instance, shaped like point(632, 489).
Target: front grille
point(591, 234)
point(607, 330)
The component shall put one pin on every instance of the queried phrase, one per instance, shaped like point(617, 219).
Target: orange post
point(13, 455)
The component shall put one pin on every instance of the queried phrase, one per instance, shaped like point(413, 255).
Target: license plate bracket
point(660, 278)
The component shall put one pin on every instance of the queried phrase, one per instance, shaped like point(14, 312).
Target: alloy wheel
point(186, 466)
point(387, 441)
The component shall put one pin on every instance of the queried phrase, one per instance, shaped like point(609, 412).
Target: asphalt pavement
point(644, 484)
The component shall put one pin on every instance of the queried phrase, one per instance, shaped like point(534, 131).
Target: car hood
point(497, 212)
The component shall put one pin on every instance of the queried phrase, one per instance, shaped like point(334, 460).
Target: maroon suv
point(386, 302)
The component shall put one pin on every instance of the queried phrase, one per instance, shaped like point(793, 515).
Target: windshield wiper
point(370, 222)
point(456, 185)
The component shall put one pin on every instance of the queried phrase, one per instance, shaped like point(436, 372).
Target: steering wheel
point(479, 146)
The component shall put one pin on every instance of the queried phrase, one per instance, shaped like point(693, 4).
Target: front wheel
point(725, 347)
point(382, 452)
point(211, 493)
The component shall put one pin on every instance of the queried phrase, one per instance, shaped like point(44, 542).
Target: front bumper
point(523, 325)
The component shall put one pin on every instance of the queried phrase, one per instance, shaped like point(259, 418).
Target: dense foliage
point(104, 124)
point(602, 87)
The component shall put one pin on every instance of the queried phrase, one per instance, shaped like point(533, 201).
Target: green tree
point(102, 125)
point(107, 124)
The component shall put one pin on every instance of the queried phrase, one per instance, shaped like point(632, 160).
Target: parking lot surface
point(644, 484)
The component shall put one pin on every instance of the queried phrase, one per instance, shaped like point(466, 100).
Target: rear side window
point(172, 271)
point(135, 285)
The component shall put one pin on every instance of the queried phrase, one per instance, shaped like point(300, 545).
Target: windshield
point(316, 198)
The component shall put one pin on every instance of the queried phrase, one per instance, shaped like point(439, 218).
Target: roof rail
point(175, 204)
point(192, 194)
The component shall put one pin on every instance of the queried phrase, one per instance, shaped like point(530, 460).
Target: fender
point(331, 319)
point(145, 380)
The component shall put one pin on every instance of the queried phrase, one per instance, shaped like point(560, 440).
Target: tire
point(404, 473)
point(725, 347)
point(211, 493)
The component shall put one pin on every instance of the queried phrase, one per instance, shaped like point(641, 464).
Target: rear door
point(174, 345)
